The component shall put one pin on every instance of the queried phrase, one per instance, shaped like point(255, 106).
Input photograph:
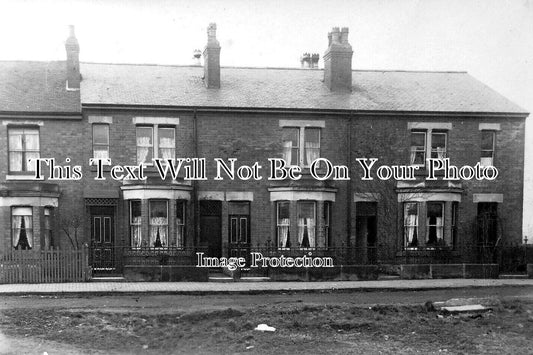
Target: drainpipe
point(196, 204)
point(352, 175)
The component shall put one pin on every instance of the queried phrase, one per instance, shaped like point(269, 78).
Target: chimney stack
point(338, 61)
point(73, 61)
point(212, 59)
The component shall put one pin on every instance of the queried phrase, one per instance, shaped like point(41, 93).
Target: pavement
point(253, 287)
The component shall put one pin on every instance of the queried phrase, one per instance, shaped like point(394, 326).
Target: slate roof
point(36, 87)
point(414, 91)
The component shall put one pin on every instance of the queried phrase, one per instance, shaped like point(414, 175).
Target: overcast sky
point(491, 39)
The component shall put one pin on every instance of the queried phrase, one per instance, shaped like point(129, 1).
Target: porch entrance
point(211, 227)
point(366, 229)
point(104, 257)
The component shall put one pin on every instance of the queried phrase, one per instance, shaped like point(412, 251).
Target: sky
point(491, 39)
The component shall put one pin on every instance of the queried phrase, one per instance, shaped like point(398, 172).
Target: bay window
point(158, 213)
point(306, 224)
point(135, 224)
point(181, 211)
point(435, 224)
point(410, 224)
point(283, 224)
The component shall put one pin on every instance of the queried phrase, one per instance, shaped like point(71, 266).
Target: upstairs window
point(301, 145)
point(488, 139)
point(427, 143)
point(155, 142)
point(100, 141)
point(23, 148)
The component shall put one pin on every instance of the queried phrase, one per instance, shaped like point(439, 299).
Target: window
point(22, 227)
point(158, 223)
point(135, 224)
point(327, 223)
point(48, 237)
point(162, 145)
point(306, 224)
point(410, 224)
point(301, 145)
point(181, 209)
point(283, 224)
point(418, 148)
point(435, 224)
point(421, 140)
point(487, 147)
point(455, 211)
point(100, 141)
point(23, 147)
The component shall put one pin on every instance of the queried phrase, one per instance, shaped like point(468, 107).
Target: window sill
point(23, 177)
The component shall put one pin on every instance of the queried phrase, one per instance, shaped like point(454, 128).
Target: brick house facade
point(132, 113)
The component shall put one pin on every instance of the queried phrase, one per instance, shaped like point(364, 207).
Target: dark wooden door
point(211, 227)
point(239, 235)
point(104, 256)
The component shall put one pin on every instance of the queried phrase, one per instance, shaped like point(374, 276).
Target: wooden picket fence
point(44, 266)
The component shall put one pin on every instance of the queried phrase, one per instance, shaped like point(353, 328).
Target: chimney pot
point(338, 61)
point(73, 61)
point(212, 59)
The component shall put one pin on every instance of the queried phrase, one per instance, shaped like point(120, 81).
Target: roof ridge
point(279, 68)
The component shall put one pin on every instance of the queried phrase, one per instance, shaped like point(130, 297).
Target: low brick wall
point(336, 273)
point(449, 271)
point(165, 273)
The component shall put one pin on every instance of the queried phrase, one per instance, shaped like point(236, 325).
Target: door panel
point(211, 227)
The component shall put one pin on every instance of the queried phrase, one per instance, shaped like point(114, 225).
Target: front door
point(366, 229)
point(211, 227)
point(104, 255)
point(239, 236)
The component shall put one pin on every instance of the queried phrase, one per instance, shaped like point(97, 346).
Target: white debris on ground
point(265, 328)
point(465, 308)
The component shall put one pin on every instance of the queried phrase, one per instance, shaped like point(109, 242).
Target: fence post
point(85, 262)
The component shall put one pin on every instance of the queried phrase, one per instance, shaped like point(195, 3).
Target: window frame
point(301, 148)
point(155, 146)
point(182, 225)
point(428, 143)
point(48, 213)
point(493, 150)
point(299, 204)
point(327, 206)
point(135, 226)
point(31, 243)
point(436, 226)
point(150, 225)
point(106, 145)
point(280, 224)
point(416, 226)
point(24, 163)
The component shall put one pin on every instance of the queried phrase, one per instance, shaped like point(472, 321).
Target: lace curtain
point(283, 232)
point(306, 227)
point(410, 223)
point(143, 148)
point(22, 232)
point(158, 232)
point(166, 147)
point(287, 152)
point(312, 152)
point(136, 231)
